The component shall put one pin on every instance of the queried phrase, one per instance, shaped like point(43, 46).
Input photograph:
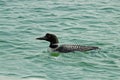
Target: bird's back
point(72, 48)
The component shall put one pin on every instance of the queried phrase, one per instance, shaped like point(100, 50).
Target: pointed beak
point(41, 38)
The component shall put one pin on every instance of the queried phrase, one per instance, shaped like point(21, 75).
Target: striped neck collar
point(55, 45)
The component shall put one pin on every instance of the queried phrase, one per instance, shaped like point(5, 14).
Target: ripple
point(109, 9)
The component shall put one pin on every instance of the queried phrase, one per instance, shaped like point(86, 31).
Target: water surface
point(85, 22)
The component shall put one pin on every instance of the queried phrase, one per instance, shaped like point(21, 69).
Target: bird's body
point(71, 48)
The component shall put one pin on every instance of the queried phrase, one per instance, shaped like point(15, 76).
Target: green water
point(85, 22)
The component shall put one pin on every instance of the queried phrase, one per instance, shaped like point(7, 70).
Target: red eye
point(48, 36)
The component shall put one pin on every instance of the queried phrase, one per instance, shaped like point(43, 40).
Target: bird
point(64, 48)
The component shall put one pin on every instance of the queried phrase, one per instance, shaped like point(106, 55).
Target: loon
point(65, 48)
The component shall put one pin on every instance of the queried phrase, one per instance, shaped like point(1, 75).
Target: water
point(85, 22)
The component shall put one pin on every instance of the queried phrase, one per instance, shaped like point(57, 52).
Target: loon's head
point(50, 38)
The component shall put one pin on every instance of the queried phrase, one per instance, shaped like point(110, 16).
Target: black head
point(49, 37)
